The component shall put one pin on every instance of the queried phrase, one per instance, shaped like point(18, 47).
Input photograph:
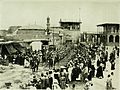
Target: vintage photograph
point(59, 44)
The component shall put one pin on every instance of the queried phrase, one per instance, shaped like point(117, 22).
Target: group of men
point(85, 63)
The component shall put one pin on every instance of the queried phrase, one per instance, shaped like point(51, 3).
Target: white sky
point(92, 12)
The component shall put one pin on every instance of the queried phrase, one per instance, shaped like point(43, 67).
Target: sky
point(28, 12)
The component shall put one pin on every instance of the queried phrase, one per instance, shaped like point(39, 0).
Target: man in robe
point(100, 72)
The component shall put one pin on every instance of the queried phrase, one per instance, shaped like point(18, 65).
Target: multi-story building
point(110, 33)
point(70, 25)
point(71, 30)
point(107, 33)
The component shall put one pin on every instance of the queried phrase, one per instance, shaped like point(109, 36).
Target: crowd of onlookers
point(86, 63)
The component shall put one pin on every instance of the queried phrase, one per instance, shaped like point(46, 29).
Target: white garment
point(86, 70)
point(70, 72)
point(108, 66)
point(26, 63)
point(81, 65)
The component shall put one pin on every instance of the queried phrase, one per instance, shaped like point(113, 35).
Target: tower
point(48, 24)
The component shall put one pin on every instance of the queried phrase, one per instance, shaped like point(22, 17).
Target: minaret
point(60, 22)
point(48, 24)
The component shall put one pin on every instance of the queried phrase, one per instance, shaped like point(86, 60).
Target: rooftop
point(13, 28)
point(32, 27)
point(70, 21)
point(108, 24)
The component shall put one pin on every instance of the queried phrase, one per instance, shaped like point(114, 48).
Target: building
point(110, 33)
point(3, 34)
point(107, 33)
point(71, 29)
point(56, 36)
point(89, 37)
point(29, 32)
point(70, 25)
point(12, 29)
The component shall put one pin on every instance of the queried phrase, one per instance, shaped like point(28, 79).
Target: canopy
point(18, 47)
point(10, 48)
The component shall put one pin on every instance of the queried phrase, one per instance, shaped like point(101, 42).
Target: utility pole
point(48, 25)
point(79, 15)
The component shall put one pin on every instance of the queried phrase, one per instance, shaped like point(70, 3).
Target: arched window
point(111, 38)
point(117, 38)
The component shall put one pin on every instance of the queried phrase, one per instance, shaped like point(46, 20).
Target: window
point(117, 39)
point(111, 38)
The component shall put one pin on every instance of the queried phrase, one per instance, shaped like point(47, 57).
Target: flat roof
point(70, 22)
point(31, 27)
point(108, 24)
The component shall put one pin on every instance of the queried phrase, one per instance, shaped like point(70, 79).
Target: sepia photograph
point(59, 44)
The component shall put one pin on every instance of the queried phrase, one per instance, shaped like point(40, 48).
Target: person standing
point(109, 83)
point(108, 65)
point(93, 70)
point(90, 74)
point(42, 81)
point(50, 79)
point(100, 72)
point(70, 72)
point(113, 65)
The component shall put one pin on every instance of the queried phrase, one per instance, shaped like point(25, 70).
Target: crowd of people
point(29, 59)
point(86, 63)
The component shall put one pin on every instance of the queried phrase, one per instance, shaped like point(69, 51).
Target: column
point(114, 38)
point(108, 38)
point(87, 38)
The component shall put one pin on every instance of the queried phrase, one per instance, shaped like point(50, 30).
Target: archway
point(117, 38)
point(111, 38)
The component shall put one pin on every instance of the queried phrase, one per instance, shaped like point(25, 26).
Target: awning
point(10, 48)
point(18, 47)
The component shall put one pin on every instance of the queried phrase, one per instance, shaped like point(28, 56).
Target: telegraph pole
point(79, 15)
